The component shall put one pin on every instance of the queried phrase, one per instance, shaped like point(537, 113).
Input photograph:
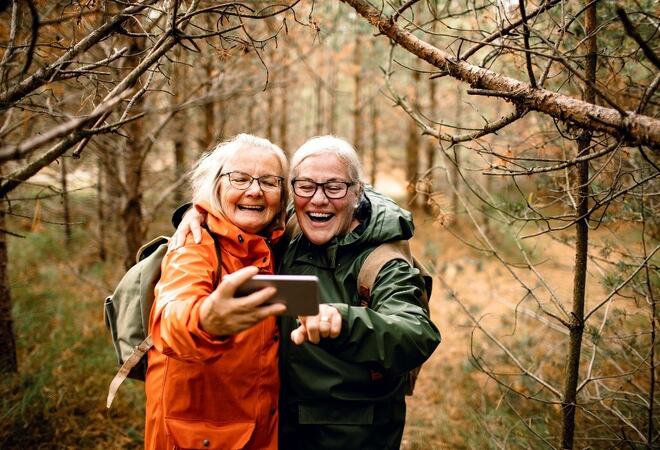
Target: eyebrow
point(330, 180)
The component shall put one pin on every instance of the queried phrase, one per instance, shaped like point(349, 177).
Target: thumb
point(229, 284)
point(299, 335)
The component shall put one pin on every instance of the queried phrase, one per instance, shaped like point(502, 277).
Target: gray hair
point(333, 145)
point(205, 176)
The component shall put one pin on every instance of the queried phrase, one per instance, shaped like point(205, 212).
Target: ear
point(360, 190)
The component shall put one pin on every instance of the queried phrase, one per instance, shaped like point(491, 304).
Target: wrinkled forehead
point(323, 167)
point(254, 160)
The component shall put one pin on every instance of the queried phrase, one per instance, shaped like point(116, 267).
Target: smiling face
point(321, 218)
point(251, 210)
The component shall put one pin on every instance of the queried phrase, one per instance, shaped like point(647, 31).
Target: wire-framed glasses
point(242, 181)
point(306, 188)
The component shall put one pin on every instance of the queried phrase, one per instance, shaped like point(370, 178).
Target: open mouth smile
point(320, 217)
point(256, 208)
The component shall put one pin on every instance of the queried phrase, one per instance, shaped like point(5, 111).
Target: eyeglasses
point(332, 189)
point(242, 181)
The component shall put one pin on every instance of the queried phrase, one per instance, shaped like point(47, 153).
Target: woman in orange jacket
point(213, 380)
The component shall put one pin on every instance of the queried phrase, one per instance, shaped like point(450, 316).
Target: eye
point(270, 181)
point(240, 177)
point(335, 188)
point(305, 186)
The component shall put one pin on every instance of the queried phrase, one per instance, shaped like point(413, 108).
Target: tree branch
point(635, 128)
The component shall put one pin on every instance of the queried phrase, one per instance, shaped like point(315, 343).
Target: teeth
point(320, 217)
point(251, 207)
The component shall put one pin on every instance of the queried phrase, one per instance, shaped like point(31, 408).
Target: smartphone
point(300, 293)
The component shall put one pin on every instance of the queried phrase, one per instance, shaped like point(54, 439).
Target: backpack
point(369, 271)
point(126, 312)
point(371, 267)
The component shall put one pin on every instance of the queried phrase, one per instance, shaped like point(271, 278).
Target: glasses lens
point(240, 180)
point(269, 182)
point(335, 190)
point(304, 188)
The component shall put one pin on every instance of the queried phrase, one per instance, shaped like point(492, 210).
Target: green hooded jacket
point(348, 392)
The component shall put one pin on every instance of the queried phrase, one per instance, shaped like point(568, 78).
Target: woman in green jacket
point(343, 371)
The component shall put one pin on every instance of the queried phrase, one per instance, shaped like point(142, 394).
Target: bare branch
point(634, 127)
point(632, 32)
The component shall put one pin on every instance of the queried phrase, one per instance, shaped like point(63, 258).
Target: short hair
point(328, 144)
point(205, 176)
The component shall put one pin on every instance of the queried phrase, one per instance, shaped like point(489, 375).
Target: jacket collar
point(252, 248)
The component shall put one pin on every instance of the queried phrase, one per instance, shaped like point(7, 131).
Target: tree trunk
point(249, 115)
point(209, 107)
point(65, 203)
point(318, 126)
point(284, 109)
point(332, 108)
point(100, 209)
point(374, 141)
point(8, 362)
point(179, 83)
point(133, 161)
point(457, 155)
point(431, 147)
point(576, 328)
point(357, 97)
point(412, 148)
point(270, 114)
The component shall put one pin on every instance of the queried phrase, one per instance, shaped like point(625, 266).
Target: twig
point(507, 30)
point(528, 56)
point(399, 11)
point(632, 32)
point(623, 283)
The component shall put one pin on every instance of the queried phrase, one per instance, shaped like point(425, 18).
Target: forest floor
point(447, 408)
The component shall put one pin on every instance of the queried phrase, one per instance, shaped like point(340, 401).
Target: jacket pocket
point(336, 414)
point(194, 434)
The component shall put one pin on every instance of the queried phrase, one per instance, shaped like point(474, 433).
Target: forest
point(524, 136)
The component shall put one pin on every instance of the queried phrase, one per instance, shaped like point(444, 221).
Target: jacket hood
point(387, 221)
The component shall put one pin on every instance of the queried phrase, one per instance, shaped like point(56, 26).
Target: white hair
point(333, 145)
point(205, 175)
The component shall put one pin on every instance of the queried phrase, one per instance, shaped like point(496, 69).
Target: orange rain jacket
point(203, 391)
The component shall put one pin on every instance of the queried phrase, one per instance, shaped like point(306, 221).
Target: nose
point(319, 197)
point(254, 189)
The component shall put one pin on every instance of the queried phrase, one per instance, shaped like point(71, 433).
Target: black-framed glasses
point(242, 181)
point(334, 190)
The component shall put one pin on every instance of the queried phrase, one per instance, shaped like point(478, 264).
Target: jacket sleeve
point(395, 334)
point(186, 280)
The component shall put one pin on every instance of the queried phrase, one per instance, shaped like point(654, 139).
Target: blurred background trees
point(525, 131)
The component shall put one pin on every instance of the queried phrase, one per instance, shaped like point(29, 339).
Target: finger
point(324, 326)
point(275, 309)
point(175, 242)
point(335, 324)
point(196, 231)
point(299, 335)
point(312, 325)
point(229, 283)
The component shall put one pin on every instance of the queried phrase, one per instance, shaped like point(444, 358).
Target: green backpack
point(127, 311)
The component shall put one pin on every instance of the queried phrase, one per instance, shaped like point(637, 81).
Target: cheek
point(299, 202)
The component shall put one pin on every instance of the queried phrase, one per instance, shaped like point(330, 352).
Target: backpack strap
point(370, 269)
point(144, 346)
point(373, 264)
point(125, 368)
